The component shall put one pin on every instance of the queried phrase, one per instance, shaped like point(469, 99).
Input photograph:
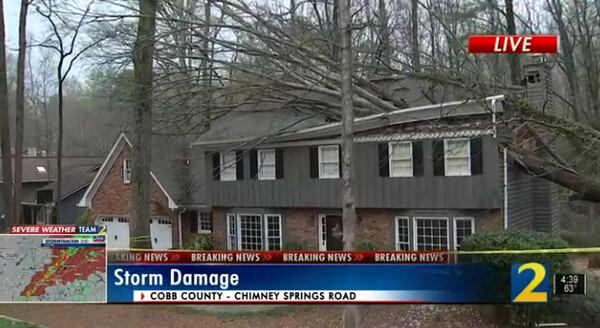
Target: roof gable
point(122, 141)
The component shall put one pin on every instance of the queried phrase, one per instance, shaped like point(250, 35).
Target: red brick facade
point(112, 196)
point(375, 226)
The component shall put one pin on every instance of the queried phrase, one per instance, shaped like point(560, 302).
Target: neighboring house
point(426, 177)
point(39, 175)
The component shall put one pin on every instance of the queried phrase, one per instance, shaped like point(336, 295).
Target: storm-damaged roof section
point(489, 106)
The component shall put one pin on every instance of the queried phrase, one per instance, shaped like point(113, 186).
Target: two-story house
point(426, 177)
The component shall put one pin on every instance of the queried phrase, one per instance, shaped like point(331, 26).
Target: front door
point(334, 233)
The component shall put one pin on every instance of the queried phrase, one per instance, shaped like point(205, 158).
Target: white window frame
point(446, 141)
point(397, 220)
point(337, 161)
point(199, 215)
point(237, 217)
point(266, 225)
point(261, 175)
point(227, 167)
point(391, 160)
point(415, 229)
point(126, 171)
point(455, 230)
point(322, 232)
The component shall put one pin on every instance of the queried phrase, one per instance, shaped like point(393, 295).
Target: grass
point(6, 322)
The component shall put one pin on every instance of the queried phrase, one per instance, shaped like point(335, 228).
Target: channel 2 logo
point(529, 283)
point(506, 44)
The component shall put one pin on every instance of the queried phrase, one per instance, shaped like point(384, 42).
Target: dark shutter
point(253, 163)
point(279, 163)
point(314, 161)
point(384, 159)
point(417, 154)
point(438, 157)
point(216, 166)
point(239, 165)
point(476, 156)
point(340, 161)
point(194, 219)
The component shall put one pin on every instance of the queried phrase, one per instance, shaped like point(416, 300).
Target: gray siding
point(297, 189)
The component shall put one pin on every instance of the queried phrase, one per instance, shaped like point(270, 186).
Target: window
point(41, 169)
point(252, 232)
point(329, 162)
point(228, 166)
point(204, 222)
point(126, 171)
point(457, 157)
point(231, 231)
point(401, 161)
point(273, 232)
point(266, 164)
point(430, 233)
point(463, 228)
point(402, 234)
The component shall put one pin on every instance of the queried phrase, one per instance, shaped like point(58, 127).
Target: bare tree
point(351, 312)
point(68, 54)
point(20, 110)
point(143, 54)
point(7, 176)
point(513, 59)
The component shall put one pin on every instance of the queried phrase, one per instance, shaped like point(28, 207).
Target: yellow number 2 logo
point(528, 294)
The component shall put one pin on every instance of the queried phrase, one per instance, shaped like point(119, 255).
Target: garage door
point(160, 232)
point(117, 231)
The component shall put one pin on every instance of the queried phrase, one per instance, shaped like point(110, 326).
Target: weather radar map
point(46, 269)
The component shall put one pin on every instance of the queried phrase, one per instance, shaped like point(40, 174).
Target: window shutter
point(417, 154)
point(239, 165)
point(314, 161)
point(476, 156)
point(195, 223)
point(216, 166)
point(279, 163)
point(384, 159)
point(438, 157)
point(340, 161)
point(253, 164)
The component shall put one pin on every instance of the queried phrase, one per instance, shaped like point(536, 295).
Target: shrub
point(201, 243)
point(369, 246)
point(501, 265)
point(294, 246)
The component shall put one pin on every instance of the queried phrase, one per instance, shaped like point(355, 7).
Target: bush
point(501, 266)
point(201, 243)
point(369, 246)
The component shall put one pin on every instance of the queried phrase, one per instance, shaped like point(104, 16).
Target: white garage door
point(160, 232)
point(117, 231)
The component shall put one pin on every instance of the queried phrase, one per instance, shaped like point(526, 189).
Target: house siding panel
point(297, 189)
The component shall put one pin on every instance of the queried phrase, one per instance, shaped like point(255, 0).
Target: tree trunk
point(513, 59)
point(384, 35)
point(142, 126)
point(7, 176)
point(351, 312)
point(59, 148)
point(20, 110)
point(414, 35)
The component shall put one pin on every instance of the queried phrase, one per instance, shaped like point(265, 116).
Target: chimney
point(538, 83)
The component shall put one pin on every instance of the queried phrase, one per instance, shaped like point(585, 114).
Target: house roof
point(31, 164)
point(487, 106)
point(74, 179)
point(165, 152)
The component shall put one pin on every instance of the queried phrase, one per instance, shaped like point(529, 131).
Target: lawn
point(11, 323)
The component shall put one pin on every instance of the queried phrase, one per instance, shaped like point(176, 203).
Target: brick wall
point(112, 197)
point(374, 226)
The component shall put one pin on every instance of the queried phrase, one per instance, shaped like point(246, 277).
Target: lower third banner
point(302, 283)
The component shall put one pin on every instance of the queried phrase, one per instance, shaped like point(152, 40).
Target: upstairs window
point(126, 171)
point(228, 166)
point(457, 157)
point(329, 162)
point(266, 164)
point(401, 160)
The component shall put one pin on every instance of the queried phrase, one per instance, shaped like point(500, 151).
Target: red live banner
point(486, 44)
point(184, 256)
